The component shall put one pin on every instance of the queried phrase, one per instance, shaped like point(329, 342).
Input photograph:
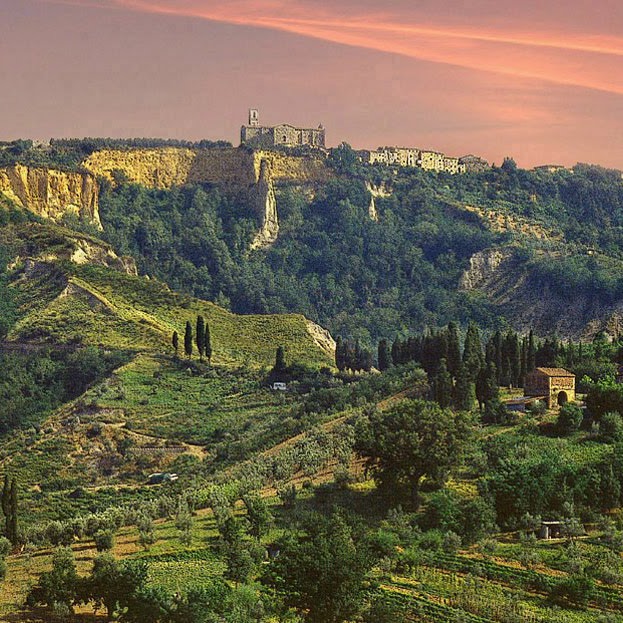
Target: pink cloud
point(584, 59)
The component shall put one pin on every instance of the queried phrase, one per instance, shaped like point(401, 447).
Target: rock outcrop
point(51, 193)
point(507, 282)
point(375, 192)
point(267, 208)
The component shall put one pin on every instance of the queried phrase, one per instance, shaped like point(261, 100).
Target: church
point(284, 135)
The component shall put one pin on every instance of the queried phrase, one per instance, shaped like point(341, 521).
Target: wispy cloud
point(582, 59)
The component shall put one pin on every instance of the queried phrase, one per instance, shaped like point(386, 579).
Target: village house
point(554, 386)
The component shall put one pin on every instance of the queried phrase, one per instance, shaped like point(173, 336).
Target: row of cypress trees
point(201, 339)
point(9, 504)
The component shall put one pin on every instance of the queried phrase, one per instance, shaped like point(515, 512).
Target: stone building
point(474, 164)
point(284, 135)
point(413, 157)
point(555, 386)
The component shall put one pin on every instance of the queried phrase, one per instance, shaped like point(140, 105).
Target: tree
point(258, 515)
point(323, 573)
point(104, 540)
point(188, 339)
point(384, 356)
point(472, 352)
point(175, 340)
point(280, 361)
point(463, 395)
point(57, 588)
point(200, 336)
point(6, 505)
point(454, 349)
point(340, 362)
point(207, 343)
point(487, 389)
point(442, 386)
point(410, 440)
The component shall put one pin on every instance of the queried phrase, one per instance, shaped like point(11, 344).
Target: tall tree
point(340, 362)
point(280, 361)
point(531, 356)
point(463, 396)
point(175, 340)
point(200, 336)
point(188, 339)
point(454, 349)
point(487, 389)
point(473, 357)
point(384, 356)
point(442, 386)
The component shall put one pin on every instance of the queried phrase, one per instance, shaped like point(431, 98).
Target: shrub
point(104, 540)
point(569, 419)
point(611, 427)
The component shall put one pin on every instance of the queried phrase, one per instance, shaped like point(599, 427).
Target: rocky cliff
point(172, 166)
point(505, 279)
point(259, 171)
point(51, 193)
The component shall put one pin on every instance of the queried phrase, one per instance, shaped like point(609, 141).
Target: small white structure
point(282, 387)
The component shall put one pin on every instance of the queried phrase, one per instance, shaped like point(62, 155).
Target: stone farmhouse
point(284, 135)
point(555, 386)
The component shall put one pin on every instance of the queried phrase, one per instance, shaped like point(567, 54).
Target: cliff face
point(51, 193)
point(505, 280)
point(259, 171)
point(172, 166)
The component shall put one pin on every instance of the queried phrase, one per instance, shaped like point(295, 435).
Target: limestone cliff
point(267, 208)
point(258, 171)
point(51, 193)
point(172, 166)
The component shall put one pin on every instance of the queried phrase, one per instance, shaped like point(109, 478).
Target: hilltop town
point(285, 135)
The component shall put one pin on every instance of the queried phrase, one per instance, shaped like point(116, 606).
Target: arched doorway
point(562, 398)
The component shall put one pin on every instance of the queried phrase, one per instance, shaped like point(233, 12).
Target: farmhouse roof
point(555, 372)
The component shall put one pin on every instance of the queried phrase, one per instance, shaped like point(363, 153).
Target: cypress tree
point(339, 354)
point(188, 339)
point(442, 385)
point(487, 389)
point(280, 361)
point(207, 343)
point(531, 356)
point(397, 352)
point(384, 356)
point(524, 361)
point(200, 336)
point(463, 390)
point(454, 349)
point(175, 340)
point(472, 353)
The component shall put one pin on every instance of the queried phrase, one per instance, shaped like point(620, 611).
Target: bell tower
point(254, 117)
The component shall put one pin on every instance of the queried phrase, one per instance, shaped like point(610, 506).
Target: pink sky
point(496, 78)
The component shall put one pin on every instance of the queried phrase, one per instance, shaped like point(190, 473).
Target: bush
point(104, 540)
point(569, 419)
point(611, 427)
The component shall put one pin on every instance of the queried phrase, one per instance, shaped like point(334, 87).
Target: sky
point(537, 80)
